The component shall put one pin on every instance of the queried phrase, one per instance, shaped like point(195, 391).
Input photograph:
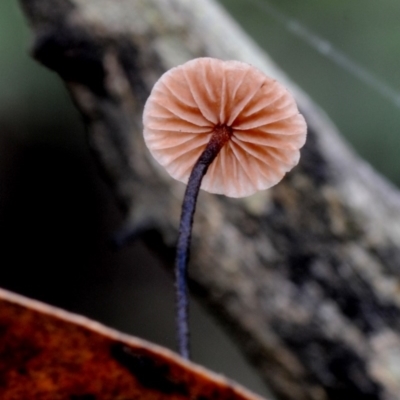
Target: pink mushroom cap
point(189, 101)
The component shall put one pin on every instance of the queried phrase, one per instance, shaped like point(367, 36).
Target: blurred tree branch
point(305, 275)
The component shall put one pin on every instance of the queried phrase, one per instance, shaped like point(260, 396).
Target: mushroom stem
point(220, 136)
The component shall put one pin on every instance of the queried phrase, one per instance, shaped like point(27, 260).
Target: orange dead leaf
point(48, 353)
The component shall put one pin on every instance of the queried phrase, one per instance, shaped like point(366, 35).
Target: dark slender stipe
point(220, 136)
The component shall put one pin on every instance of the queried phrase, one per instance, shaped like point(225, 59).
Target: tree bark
point(304, 275)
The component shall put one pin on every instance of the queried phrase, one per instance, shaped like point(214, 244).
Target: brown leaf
point(48, 353)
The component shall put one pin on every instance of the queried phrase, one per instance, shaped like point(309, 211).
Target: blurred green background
point(368, 33)
point(57, 215)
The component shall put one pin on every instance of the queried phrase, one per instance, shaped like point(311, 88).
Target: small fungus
point(226, 122)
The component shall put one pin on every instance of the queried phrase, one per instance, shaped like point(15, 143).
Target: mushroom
point(226, 122)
